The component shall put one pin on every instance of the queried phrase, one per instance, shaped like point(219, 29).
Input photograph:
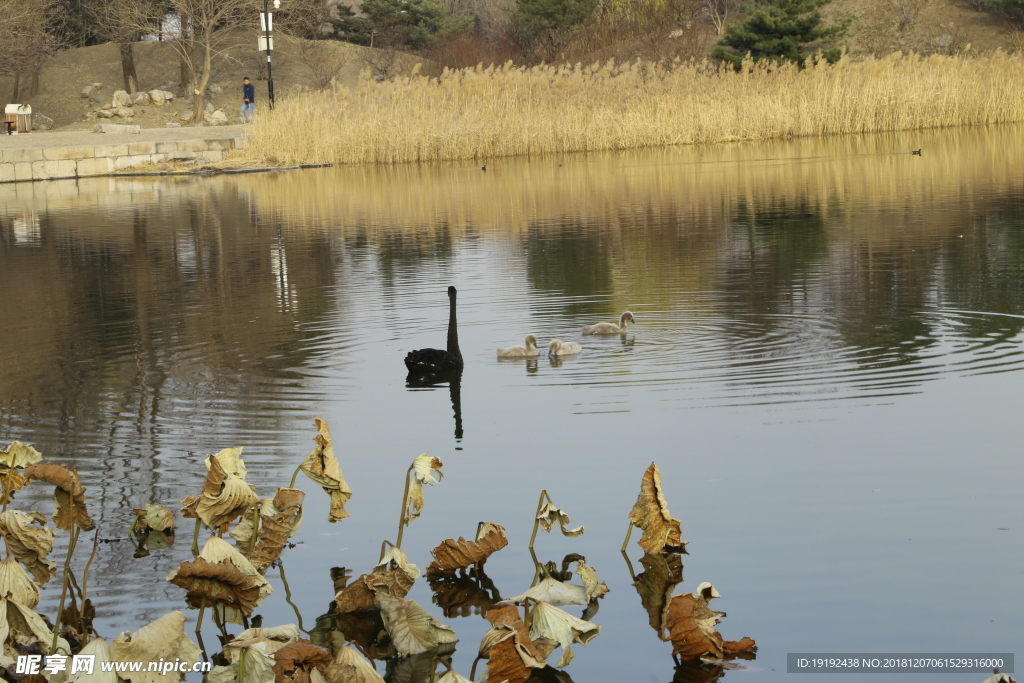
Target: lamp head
point(277, 4)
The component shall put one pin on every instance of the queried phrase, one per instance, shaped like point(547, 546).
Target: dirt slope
point(878, 26)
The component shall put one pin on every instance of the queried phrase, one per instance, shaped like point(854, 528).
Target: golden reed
point(510, 111)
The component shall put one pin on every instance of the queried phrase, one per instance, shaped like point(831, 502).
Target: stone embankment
point(46, 156)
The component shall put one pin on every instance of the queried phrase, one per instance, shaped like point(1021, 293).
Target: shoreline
point(53, 155)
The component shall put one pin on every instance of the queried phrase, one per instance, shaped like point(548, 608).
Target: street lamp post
point(266, 43)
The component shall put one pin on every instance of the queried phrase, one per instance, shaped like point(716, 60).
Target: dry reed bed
point(508, 111)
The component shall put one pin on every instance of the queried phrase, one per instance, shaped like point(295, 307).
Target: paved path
point(76, 138)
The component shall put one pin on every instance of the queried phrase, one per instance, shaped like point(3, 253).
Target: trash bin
point(21, 116)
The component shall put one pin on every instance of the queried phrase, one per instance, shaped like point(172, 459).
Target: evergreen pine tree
point(782, 32)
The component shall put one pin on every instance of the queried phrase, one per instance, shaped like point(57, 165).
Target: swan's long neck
point(453, 326)
point(623, 321)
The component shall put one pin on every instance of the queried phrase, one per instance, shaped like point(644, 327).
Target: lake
point(826, 365)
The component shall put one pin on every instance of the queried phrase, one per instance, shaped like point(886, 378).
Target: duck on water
point(435, 363)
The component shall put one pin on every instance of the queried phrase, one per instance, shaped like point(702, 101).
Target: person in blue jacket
point(248, 100)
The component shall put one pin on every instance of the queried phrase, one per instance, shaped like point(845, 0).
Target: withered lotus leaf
point(11, 480)
point(21, 626)
point(359, 595)
point(423, 468)
point(245, 529)
point(29, 544)
point(321, 465)
point(223, 498)
point(692, 626)
point(163, 639)
point(69, 494)
point(412, 629)
point(452, 676)
point(211, 583)
point(741, 647)
point(451, 555)
point(587, 574)
point(554, 592)
point(98, 648)
point(662, 533)
point(547, 621)
point(662, 573)
point(220, 551)
point(549, 515)
point(155, 517)
point(299, 658)
point(507, 619)
point(351, 667)
point(276, 529)
point(16, 582)
point(511, 654)
point(505, 664)
point(19, 455)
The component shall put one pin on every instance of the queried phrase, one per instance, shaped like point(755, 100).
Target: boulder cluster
point(125, 106)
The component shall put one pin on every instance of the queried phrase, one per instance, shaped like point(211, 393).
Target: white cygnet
point(559, 348)
point(610, 328)
point(528, 351)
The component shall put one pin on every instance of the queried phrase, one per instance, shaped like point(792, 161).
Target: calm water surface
point(826, 366)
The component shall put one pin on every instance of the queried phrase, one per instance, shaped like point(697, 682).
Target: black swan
point(435, 362)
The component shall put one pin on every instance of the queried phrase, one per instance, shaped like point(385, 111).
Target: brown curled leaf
point(505, 664)
point(69, 494)
point(453, 555)
point(692, 627)
point(213, 583)
point(744, 648)
point(294, 662)
point(359, 596)
point(321, 465)
point(662, 533)
point(276, 529)
point(224, 495)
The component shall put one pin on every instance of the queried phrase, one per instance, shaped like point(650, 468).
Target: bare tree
point(25, 42)
point(121, 22)
point(719, 11)
point(204, 31)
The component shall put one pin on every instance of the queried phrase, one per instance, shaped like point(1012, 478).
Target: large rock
point(123, 112)
point(89, 91)
point(121, 99)
point(217, 118)
point(40, 122)
point(104, 113)
point(208, 108)
point(116, 128)
point(141, 99)
point(160, 97)
point(216, 88)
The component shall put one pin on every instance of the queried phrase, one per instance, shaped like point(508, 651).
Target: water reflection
point(147, 324)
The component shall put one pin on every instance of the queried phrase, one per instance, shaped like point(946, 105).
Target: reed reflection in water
point(827, 333)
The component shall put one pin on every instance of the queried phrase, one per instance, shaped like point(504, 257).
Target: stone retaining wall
point(48, 163)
